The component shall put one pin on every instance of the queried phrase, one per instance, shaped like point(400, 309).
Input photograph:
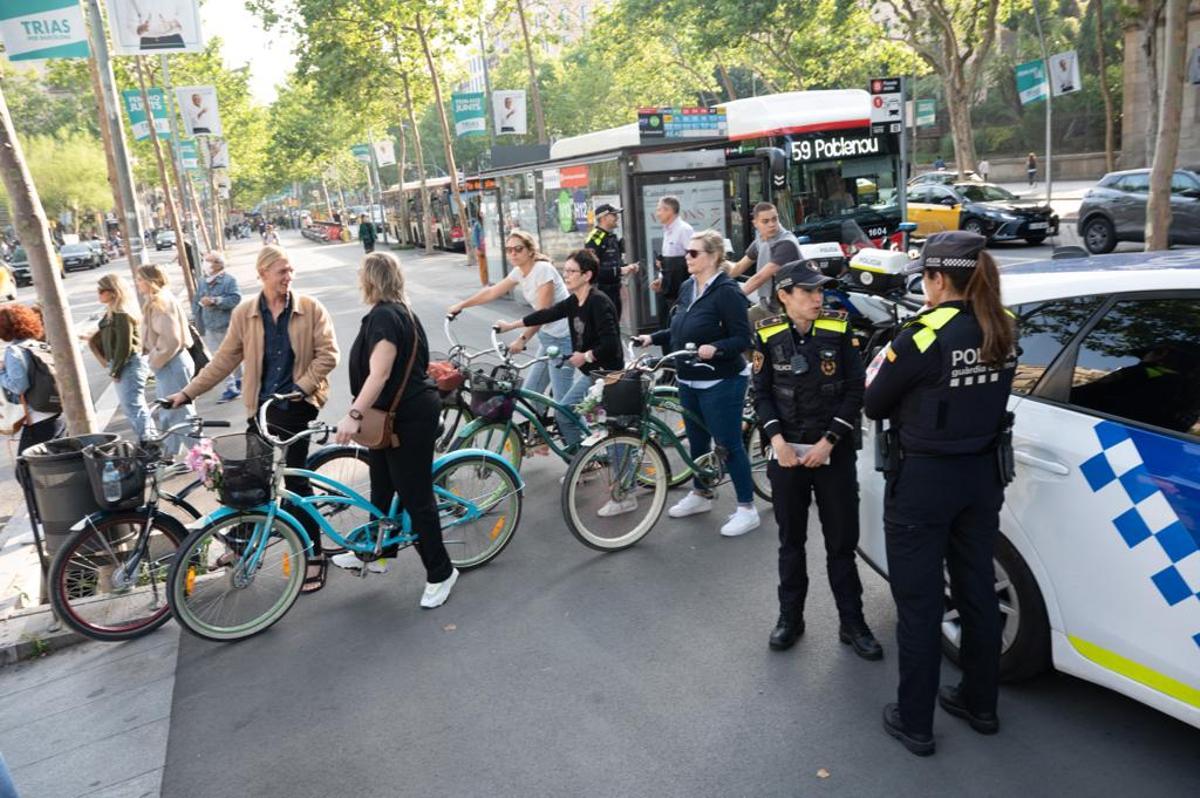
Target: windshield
point(984, 192)
point(76, 249)
point(19, 254)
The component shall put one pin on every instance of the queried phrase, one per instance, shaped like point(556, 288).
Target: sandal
point(314, 582)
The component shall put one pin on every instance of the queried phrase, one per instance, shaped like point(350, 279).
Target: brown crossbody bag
point(377, 429)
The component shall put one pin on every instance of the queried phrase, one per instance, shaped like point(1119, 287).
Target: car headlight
point(1001, 216)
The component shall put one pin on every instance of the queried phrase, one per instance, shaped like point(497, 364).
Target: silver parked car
point(1115, 209)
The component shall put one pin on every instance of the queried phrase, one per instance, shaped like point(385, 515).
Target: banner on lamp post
point(155, 26)
point(470, 116)
point(137, 114)
point(33, 29)
point(926, 113)
point(385, 152)
point(188, 154)
point(508, 108)
point(1032, 85)
point(361, 152)
point(198, 107)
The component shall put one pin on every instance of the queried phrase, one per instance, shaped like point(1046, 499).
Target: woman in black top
point(595, 331)
point(378, 360)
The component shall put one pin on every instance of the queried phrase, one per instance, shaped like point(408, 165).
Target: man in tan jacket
point(286, 343)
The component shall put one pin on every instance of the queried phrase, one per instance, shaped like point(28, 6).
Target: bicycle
point(241, 569)
point(627, 462)
point(108, 581)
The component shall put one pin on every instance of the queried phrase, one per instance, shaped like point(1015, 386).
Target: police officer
point(808, 380)
point(610, 251)
point(944, 383)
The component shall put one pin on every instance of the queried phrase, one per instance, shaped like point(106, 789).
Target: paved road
point(559, 671)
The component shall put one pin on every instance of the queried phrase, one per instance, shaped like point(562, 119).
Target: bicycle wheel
point(752, 438)
point(105, 586)
point(479, 505)
point(681, 471)
point(500, 437)
point(217, 593)
point(349, 466)
point(615, 491)
point(454, 417)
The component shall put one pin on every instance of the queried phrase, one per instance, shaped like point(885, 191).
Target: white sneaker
point(691, 504)
point(614, 507)
point(349, 560)
point(741, 522)
point(436, 593)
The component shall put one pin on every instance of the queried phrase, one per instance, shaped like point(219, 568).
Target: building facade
point(1135, 110)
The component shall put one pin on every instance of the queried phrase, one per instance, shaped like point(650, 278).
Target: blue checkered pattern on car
point(1149, 515)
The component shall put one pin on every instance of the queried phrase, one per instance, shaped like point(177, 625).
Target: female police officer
point(808, 384)
point(944, 385)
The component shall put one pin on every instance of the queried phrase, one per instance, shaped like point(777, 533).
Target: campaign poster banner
point(1031, 82)
point(155, 26)
point(218, 154)
point(1064, 73)
point(188, 154)
point(385, 152)
point(508, 109)
point(470, 116)
point(137, 114)
point(33, 29)
point(198, 107)
point(926, 113)
point(361, 152)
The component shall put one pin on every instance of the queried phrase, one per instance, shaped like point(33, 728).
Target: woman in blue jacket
point(711, 313)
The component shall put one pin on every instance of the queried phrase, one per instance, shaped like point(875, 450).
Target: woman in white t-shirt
point(542, 286)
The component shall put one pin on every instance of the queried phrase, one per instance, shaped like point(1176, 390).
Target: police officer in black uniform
point(944, 383)
point(808, 384)
point(610, 251)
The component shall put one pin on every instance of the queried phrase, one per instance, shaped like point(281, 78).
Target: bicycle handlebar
point(457, 348)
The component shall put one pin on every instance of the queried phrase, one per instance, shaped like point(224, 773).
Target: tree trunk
point(1166, 147)
point(730, 92)
point(189, 279)
point(1110, 163)
point(328, 203)
point(106, 138)
point(538, 115)
point(29, 218)
point(447, 140)
point(426, 210)
point(191, 188)
point(405, 225)
point(958, 107)
point(1151, 13)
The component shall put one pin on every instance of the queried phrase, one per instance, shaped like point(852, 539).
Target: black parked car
point(1115, 209)
point(79, 256)
point(22, 272)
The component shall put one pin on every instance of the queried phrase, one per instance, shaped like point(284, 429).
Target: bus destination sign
point(836, 147)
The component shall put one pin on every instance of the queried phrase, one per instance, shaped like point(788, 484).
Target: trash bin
point(60, 487)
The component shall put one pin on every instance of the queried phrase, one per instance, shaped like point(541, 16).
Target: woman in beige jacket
point(165, 342)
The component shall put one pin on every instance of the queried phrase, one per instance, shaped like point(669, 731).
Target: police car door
point(1107, 494)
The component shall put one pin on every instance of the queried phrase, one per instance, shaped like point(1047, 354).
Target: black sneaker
point(951, 700)
point(858, 636)
point(788, 629)
point(919, 744)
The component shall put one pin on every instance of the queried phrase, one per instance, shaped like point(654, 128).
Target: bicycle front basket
point(244, 479)
point(493, 395)
point(128, 461)
point(625, 395)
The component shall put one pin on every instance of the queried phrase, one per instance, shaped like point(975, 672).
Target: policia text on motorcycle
point(808, 383)
point(610, 251)
point(943, 384)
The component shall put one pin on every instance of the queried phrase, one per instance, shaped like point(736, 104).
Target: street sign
point(1032, 85)
point(887, 104)
point(361, 152)
point(137, 114)
point(656, 124)
point(33, 29)
point(926, 113)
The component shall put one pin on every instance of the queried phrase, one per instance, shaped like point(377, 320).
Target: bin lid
point(67, 448)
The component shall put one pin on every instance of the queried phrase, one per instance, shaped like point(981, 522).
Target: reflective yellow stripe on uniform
point(930, 323)
point(833, 325)
point(597, 236)
point(766, 332)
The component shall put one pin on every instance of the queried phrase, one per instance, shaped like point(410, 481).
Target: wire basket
point(128, 462)
point(625, 396)
point(493, 396)
point(244, 479)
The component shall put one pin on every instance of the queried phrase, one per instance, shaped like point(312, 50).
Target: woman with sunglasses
point(542, 287)
point(118, 345)
point(711, 313)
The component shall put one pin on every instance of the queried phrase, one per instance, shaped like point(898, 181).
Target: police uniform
point(948, 414)
point(808, 387)
point(610, 252)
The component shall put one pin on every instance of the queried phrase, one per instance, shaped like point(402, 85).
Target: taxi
point(8, 283)
point(1098, 563)
point(982, 208)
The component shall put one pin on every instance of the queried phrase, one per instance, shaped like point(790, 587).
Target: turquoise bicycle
point(241, 570)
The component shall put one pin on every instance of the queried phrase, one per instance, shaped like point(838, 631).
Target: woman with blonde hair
point(118, 345)
point(165, 342)
point(388, 360)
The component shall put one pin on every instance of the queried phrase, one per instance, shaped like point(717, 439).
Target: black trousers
point(47, 429)
point(285, 420)
point(944, 509)
point(613, 292)
point(836, 489)
point(407, 472)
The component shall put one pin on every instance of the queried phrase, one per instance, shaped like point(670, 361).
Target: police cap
point(955, 249)
point(803, 273)
point(606, 207)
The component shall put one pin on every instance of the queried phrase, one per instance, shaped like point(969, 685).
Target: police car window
point(1043, 329)
point(1142, 363)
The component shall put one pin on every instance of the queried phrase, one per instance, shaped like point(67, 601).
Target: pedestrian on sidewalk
point(366, 234)
point(479, 242)
point(542, 286)
point(165, 341)
point(117, 344)
point(388, 364)
point(21, 327)
point(939, 163)
point(286, 342)
point(610, 252)
point(985, 168)
point(1031, 167)
point(216, 297)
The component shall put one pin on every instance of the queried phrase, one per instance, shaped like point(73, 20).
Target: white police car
point(1098, 567)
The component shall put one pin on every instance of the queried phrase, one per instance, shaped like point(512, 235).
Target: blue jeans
point(545, 373)
point(721, 409)
point(214, 338)
point(573, 433)
point(7, 788)
point(173, 378)
point(131, 395)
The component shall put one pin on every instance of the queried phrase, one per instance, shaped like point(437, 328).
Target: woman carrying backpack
point(21, 328)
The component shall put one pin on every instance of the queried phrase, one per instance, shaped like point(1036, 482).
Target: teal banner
point(470, 114)
point(1032, 85)
point(137, 114)
point(35, 29)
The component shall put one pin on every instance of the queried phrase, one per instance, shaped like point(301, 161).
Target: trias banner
point(155, 26)
point(198, 107)
point(33, 29)
point(137, 114)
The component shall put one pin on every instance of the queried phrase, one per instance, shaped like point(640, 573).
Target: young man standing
point(773, 247)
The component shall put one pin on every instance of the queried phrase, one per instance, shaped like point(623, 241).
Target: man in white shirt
point(159, 25)
point(197, 114)
point(676, 234)
point(983, 168)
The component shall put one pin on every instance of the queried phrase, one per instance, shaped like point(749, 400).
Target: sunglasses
point(571, 271)
point(515, 249)
point(695, 253)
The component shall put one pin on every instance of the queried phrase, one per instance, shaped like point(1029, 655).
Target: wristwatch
point(355, 414)
point(832, 437)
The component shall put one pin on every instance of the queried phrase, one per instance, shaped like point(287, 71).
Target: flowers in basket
point(590, 408)
point(202, 460)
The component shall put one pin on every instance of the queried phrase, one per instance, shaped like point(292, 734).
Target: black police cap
point(955, 249)
point(606, 207)
point(803, 273)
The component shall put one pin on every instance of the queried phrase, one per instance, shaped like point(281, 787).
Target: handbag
point(199, 352)
point(377, 429)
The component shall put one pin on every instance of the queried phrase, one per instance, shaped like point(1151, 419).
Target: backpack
point(42, 393)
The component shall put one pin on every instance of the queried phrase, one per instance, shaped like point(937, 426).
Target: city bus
point(814, 154)
point(447, 232)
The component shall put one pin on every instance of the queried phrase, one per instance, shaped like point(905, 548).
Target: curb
point(42, 634)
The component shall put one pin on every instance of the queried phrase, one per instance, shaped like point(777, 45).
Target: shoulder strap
point(412, 356)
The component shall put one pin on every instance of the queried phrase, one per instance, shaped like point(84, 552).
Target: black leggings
point(284, 421)
point(407, 471)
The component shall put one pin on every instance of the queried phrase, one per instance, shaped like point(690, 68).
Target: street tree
point(69, 170)
point(1166, 145)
